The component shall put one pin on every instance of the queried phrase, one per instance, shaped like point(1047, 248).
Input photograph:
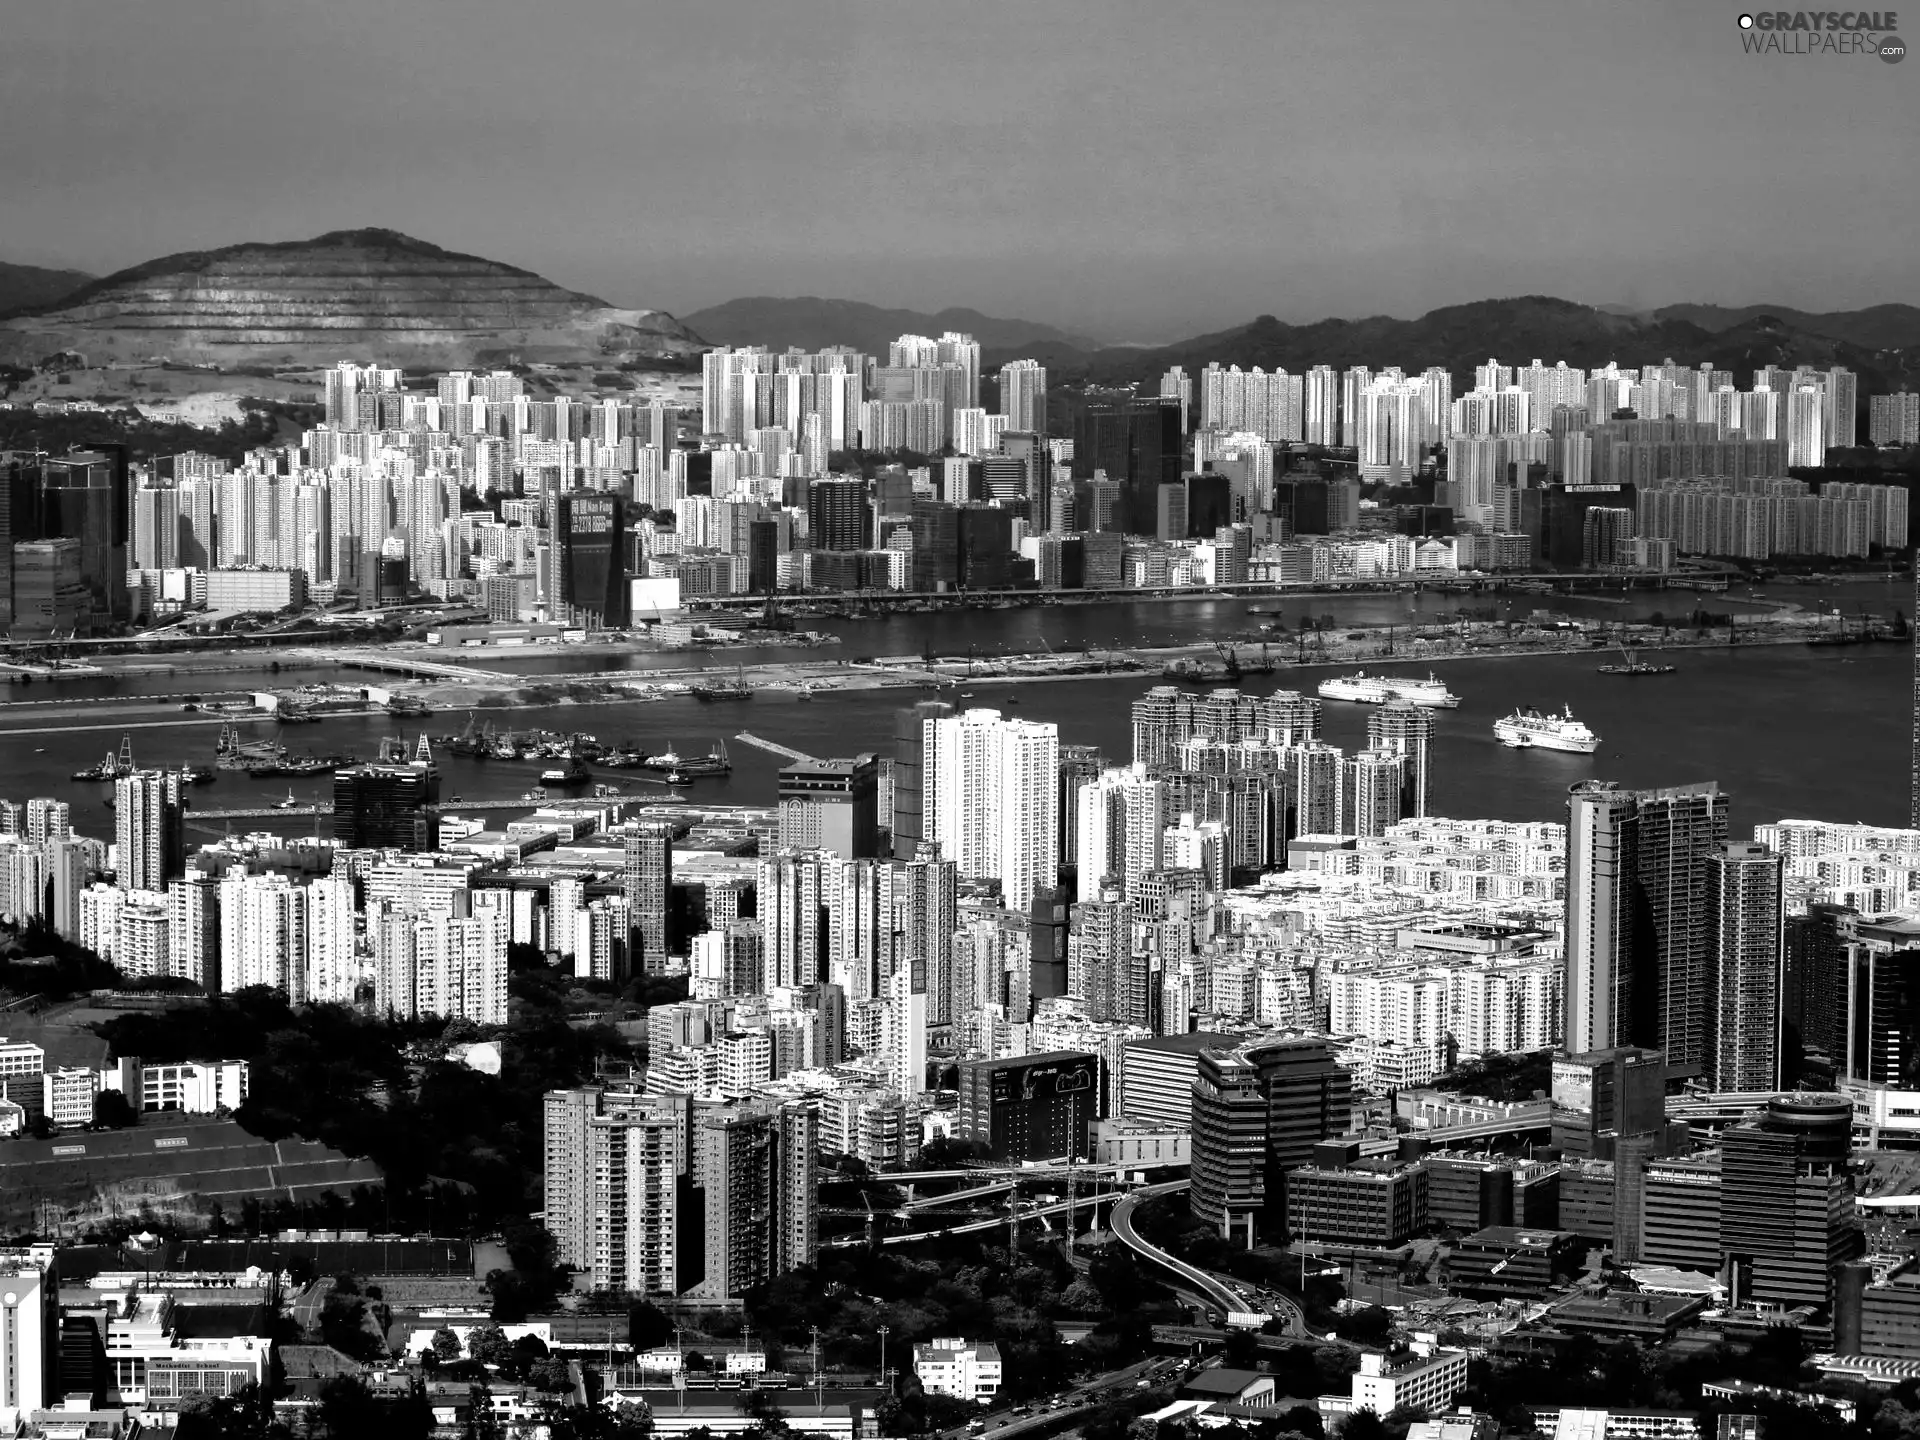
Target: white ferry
point(1431, 692)
point(1528, 729)
point(1359, 687)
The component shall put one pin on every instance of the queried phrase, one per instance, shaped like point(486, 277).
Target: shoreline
point(1144, 666)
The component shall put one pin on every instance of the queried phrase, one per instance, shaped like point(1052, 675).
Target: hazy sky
point(1140, 171)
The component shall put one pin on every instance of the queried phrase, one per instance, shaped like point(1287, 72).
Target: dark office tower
point(1258, 1111)
point(1170, 513)
point(1302, 498)
point(591, 533)
point(1564, 533)
point(832, 805)
point(1786, 1201)
point(1407, 729)
point(1031, 1107)
point(1744, 909)
point(908, 738)
point(1601, 530)
point(936, 546)
point(1883, 1003)
point(1137, 443)
point(647, 881)
point(837, 514)
point(1036, 460)
point(1209, 503)
point(1639, 946)
point(986, 548)
point(386, 807)
point(86, 497)
point(1913, 803)
point(763, 557)
point(1605, 1095)
point(1813, 995)
point(699, 472)
point(1047, 921)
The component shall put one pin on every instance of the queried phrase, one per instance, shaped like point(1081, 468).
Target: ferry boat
point(1528, 729)
point(1432, 692)
point(1359, 687)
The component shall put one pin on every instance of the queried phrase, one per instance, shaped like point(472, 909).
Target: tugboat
point(678, 779)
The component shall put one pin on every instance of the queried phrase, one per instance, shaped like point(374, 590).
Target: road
point(1220, 1293)
point(1080, 1399)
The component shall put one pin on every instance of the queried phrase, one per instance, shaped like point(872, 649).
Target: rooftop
point(1189, 1044)
point(1222, 1381)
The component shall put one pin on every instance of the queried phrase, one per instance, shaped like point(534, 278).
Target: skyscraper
point(1786, 1200)
point(831, 805)
point(1744, 909)
point(1023, 395)
point(590, 535)
point(990, 798)
point(1882, 1002)
point(909, 743)
point(1137, 444)
point(1258, 1111)
point(1407, 729)
point(382, 807)
point(150, 845)
point(1639, 946)
point(648, 886)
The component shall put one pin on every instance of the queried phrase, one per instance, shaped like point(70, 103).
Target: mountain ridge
point(1514, 329)
point(25, 285)
point(369, 294)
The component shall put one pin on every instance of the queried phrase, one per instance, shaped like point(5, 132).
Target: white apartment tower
point(991, 799)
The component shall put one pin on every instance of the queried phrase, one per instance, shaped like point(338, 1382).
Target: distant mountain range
point(1879, 327)
point(1515, 331)
point(814, 324)
point(25, 285)
point(376, 294)
point(349, 295)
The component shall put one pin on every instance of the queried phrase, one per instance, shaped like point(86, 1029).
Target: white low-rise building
point(194, 1087)
point(962, 1369)
point(1426, 1379)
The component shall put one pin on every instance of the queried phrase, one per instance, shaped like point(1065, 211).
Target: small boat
point(288, 803)
point(678, 779)
point(41, 751)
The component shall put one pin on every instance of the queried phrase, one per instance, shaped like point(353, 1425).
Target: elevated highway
point(1218, 1292)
